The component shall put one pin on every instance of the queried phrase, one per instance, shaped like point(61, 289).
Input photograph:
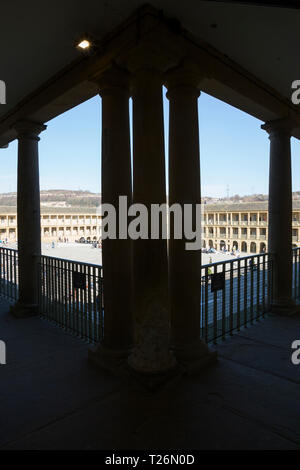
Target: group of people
point(63, 240)
point(96, 244)
point(234, 252)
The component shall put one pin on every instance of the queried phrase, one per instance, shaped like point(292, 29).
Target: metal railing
point(71, 295)
point(234, 293)
point(296, 273)
point(71, 292)
point(9, 273)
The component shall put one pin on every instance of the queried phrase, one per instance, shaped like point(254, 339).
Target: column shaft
point(184, 188)
point(116, 181)
point(116, 253)
point(280, 215)
point(280, 211)
point(28, 213)
point(151, 303)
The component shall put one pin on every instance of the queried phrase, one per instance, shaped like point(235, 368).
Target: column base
point(150, 358)
point(285, 307)
point(112, 360)
point(22, 310)
point(154, 380)
point(193, 358)
point(116, 362)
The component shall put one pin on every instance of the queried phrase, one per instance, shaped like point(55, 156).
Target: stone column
point(151, 353)
point(280, 214)
point(116, 253)
point(29, 218)
point(184, 188)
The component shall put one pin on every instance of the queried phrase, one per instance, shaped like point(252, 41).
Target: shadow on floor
point(52, 398)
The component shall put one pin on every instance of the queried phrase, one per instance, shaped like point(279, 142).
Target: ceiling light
point(84, 44)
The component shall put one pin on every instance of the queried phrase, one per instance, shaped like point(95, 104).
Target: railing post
point(238, 323)
point(298, 271)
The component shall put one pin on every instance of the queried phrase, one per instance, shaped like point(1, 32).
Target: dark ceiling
point(37, 39)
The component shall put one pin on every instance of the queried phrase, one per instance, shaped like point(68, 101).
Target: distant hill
point(79, 198)
point(235, 199)
point(240, 199)
point(58, 198)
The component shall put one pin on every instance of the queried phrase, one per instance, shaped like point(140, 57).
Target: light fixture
point(84, 44)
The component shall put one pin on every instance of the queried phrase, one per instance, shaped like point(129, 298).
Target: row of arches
point(253, 247)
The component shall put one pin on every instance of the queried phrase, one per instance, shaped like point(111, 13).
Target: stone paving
point(52, 398)
point(88, 254)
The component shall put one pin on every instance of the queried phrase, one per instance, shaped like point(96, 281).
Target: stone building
point(56, 224)
point(242, 227)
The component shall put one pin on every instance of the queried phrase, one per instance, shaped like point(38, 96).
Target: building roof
point(242, 207)
point(235, 207)
point(55, 210)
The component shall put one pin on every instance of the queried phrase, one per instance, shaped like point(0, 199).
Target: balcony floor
point(51, 398)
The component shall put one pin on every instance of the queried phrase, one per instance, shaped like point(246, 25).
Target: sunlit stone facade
point(56, 224)
point(242, 227)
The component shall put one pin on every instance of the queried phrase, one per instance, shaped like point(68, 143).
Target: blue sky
point(234, 151)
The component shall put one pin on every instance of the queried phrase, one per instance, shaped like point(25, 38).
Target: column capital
point(278, 127)
point(29, 129)
point(186, 76)
point(114, 79)
point(149, 56)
